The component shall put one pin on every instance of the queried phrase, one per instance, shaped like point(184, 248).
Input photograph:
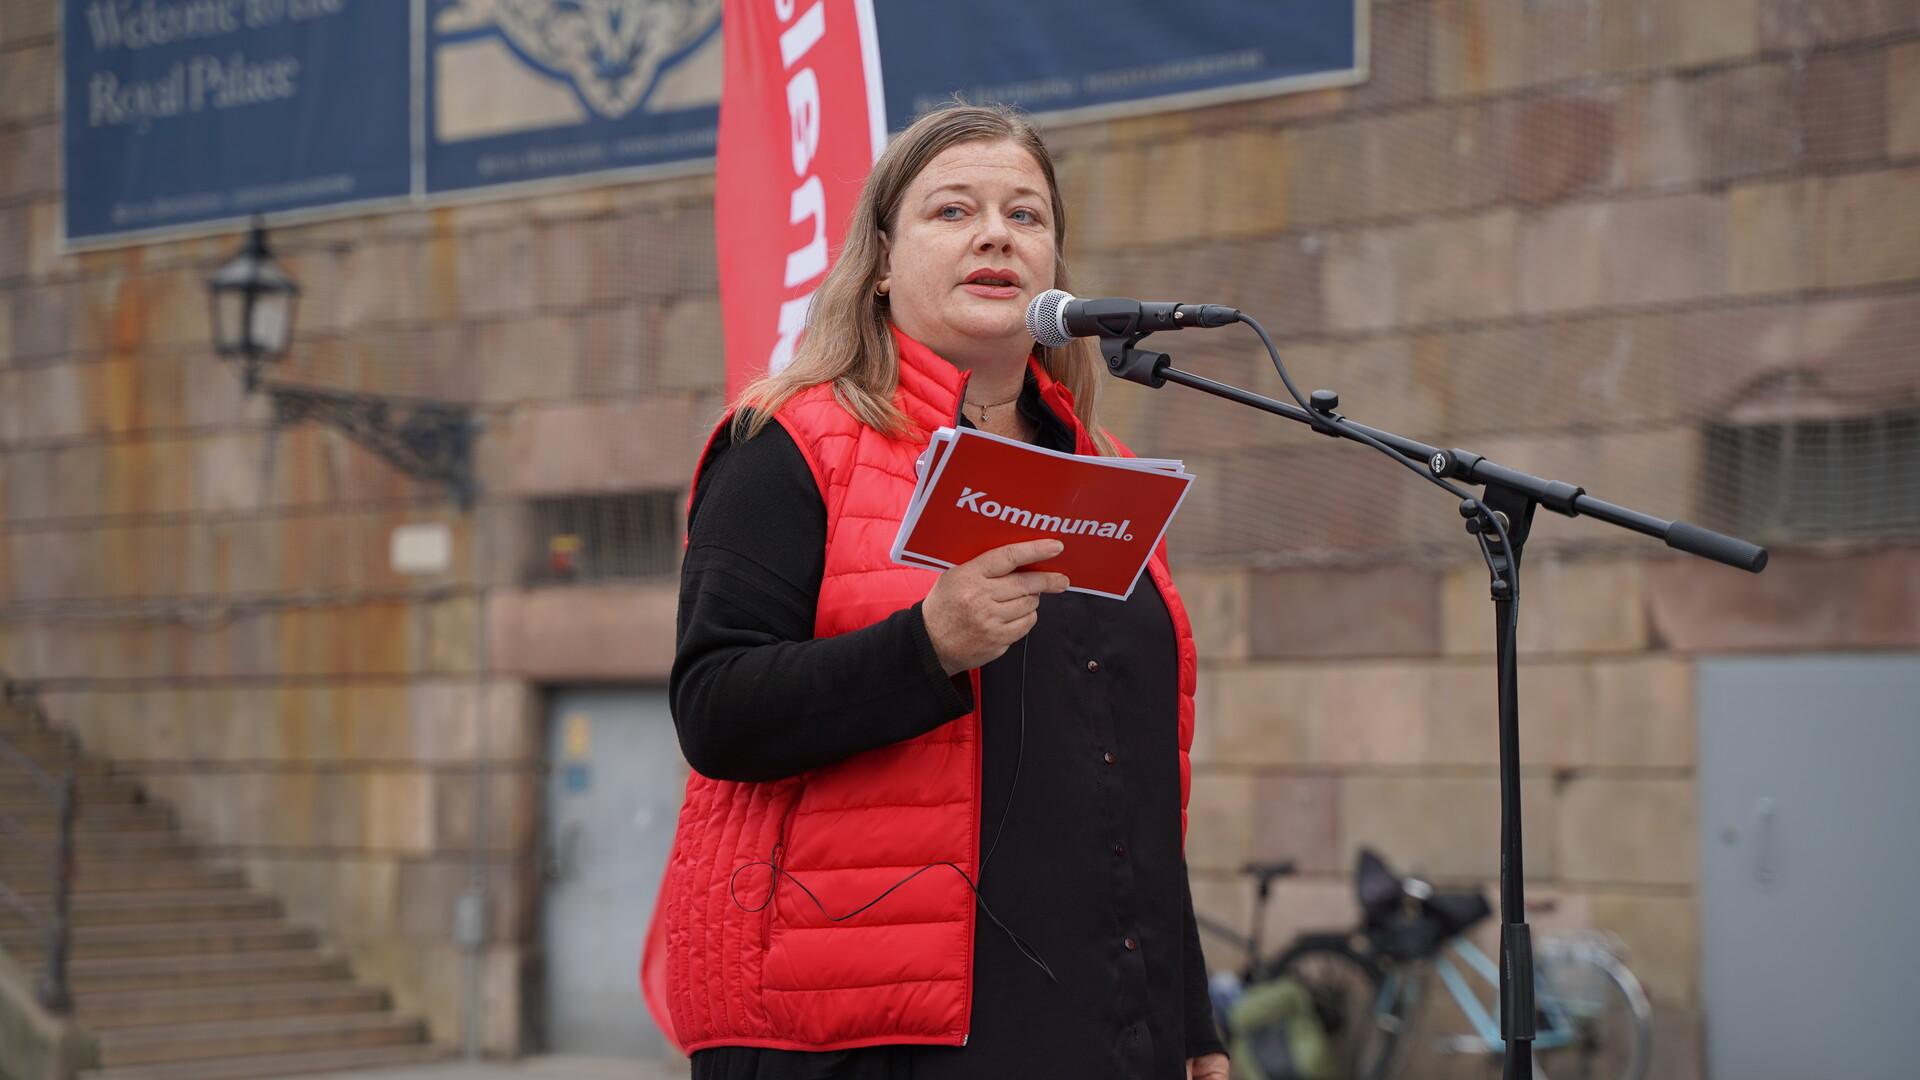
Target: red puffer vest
point(786, 976)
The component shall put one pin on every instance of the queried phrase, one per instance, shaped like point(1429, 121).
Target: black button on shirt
point(1053, 877)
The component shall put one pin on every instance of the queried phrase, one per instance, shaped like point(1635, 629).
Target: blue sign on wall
point(183, 112)
point(1084, 59)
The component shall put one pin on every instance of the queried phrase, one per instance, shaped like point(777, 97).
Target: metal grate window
point(631, 536)
point(1830, 478)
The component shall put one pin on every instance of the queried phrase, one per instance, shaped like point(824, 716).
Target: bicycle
point(1367, 985)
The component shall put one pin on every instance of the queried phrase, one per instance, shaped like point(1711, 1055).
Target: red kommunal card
point(979, 491)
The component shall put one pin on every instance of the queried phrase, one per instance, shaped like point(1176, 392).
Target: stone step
point(129, 819)
point(27, 867)
point(109, 845)
point(85, 825)
point(93, 788)
point(132, 839)
point(42, 814)
point(273, 1065)
point(98, 975)
point(57, 759)
point(106, 876)
point(34, 741)
point(168, 939)
point(253, 1038)
point(161, 906)
point(104, 1012)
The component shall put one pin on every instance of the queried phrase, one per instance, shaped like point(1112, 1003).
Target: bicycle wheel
point(1345, 988)
point(1606, 1017)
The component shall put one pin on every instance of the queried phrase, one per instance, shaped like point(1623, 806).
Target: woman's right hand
point(978, 609)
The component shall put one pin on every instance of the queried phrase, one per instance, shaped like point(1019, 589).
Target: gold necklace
point(991, 405)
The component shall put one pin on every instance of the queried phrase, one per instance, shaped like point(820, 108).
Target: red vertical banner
point(802, 118)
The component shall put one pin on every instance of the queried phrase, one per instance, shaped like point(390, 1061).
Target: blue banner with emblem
point(191, 112)
point(520, 90)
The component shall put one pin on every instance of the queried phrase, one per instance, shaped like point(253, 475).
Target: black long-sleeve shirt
point(1088, 866)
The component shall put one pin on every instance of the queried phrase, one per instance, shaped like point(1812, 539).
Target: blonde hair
point(847, 341)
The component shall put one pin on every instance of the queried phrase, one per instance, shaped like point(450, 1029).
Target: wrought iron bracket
point(432, 440)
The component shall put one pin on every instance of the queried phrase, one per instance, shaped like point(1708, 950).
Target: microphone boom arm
point(1125, 359)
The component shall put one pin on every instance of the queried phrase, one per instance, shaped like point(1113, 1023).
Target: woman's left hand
point(1210, 1067)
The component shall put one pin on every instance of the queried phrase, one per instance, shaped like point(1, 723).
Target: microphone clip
point(1144, 366)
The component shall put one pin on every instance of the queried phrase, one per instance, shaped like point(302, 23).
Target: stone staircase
point(179, 970)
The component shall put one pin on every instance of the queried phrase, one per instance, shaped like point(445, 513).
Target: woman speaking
point(936, 820)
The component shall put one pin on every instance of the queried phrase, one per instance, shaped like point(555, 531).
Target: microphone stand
point(1500, 521)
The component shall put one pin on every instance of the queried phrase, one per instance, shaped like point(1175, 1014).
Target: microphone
point(1056, 317)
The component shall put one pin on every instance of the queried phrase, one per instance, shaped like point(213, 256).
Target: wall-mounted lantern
point(254, 300)
point(253, 307)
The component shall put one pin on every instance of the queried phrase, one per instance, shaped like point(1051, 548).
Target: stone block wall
point(207, 598)
point(1564, 234)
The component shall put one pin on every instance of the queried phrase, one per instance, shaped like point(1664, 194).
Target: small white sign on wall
point(422, 549)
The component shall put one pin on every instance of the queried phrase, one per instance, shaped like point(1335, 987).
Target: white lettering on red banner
point(801, 121)
point(809, 200)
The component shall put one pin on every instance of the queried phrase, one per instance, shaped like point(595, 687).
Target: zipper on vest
point(779, 856)
point(766, 919)
point(979, 797)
